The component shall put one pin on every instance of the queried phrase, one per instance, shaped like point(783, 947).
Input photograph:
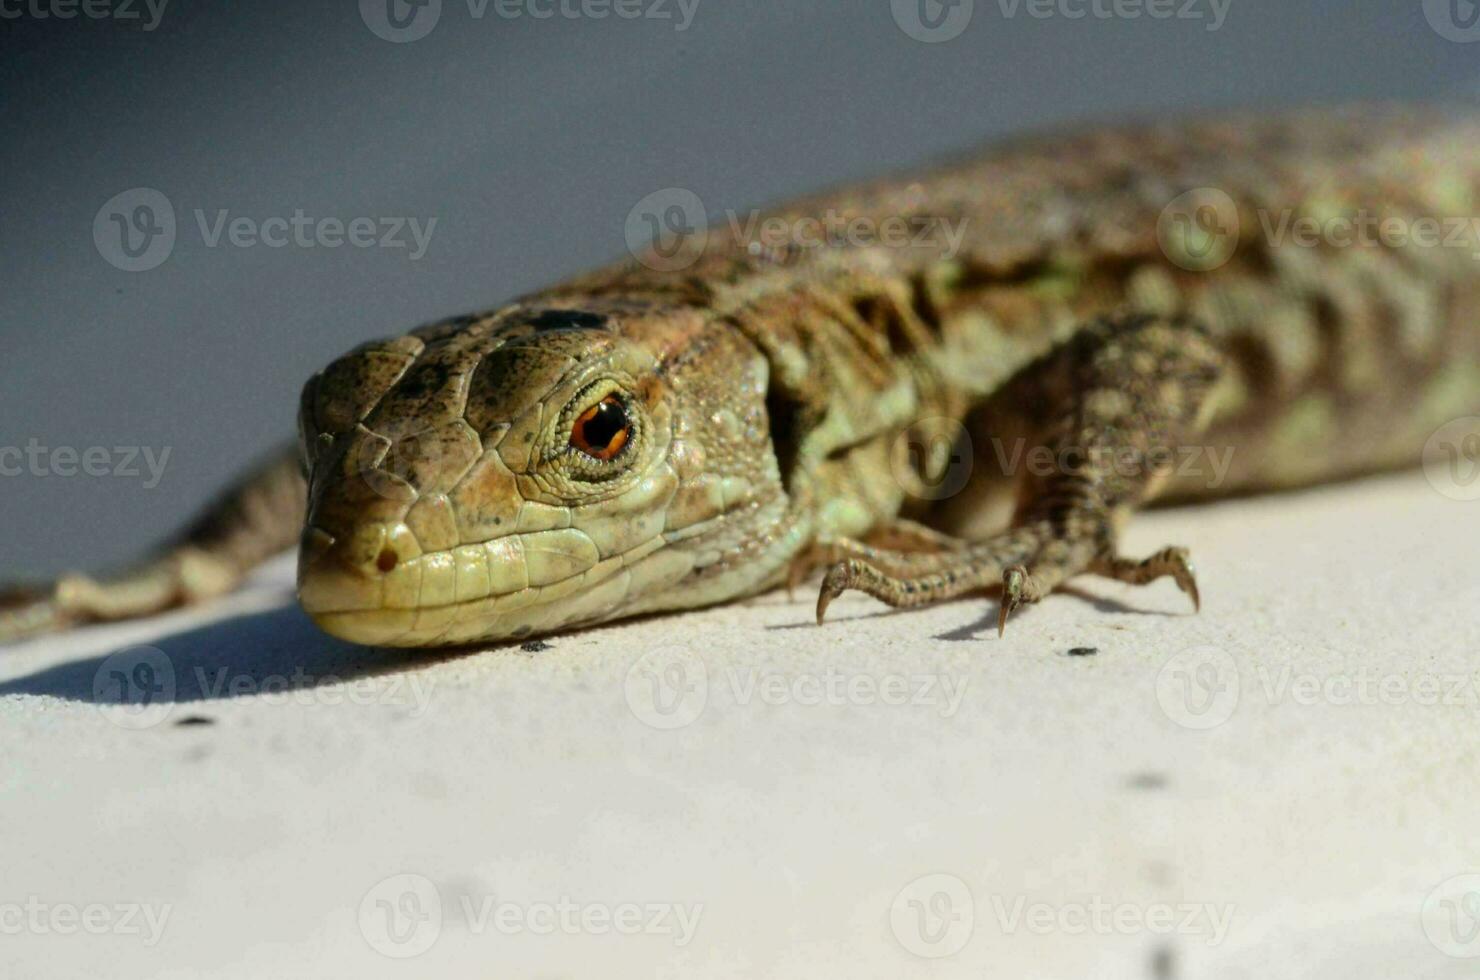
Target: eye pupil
point(602, 430)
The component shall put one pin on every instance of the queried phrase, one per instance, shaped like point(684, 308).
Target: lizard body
point(730, 412)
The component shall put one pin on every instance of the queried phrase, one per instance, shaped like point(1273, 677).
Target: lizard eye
point(602, 430)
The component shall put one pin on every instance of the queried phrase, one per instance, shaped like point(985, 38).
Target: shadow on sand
point(277, 650)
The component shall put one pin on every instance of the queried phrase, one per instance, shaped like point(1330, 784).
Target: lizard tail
point(257, 518)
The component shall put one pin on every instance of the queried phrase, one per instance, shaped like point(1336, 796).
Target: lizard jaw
point(506, 588)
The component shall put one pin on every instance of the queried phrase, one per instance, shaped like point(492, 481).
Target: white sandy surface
point(1287, 785)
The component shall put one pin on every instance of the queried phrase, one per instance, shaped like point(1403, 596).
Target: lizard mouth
point(506, 588)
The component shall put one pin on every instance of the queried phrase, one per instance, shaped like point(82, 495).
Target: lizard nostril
point(386, 560)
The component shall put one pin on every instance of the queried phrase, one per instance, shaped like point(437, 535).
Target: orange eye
point(602, 430)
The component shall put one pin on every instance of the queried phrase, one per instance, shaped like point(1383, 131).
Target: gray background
point(529, 141)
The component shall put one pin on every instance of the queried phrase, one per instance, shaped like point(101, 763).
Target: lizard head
point(542, 467)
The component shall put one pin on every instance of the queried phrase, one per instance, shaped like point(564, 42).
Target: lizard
point(721, 415)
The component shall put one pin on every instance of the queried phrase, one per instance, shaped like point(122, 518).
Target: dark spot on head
point(193, 720)
point(386, 560)
point(535, 646)
point(567, 320)
point(1084, 651)
point(1147, 780)
point(425, 379)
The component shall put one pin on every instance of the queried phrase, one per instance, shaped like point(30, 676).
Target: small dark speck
point(535, 646)
point(1163, 964)
point(190, 721)
point(1084, 651)
point(1148, 780)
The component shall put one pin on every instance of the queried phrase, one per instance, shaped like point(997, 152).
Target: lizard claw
point(1012, 595)
point(1185, 575)
point(838, 580)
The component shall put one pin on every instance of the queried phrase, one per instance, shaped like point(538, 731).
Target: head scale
point(545, 466)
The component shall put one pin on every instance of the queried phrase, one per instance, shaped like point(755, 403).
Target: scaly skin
point(771, 393)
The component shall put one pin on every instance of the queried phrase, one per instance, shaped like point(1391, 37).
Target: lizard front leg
point(1113, 402)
